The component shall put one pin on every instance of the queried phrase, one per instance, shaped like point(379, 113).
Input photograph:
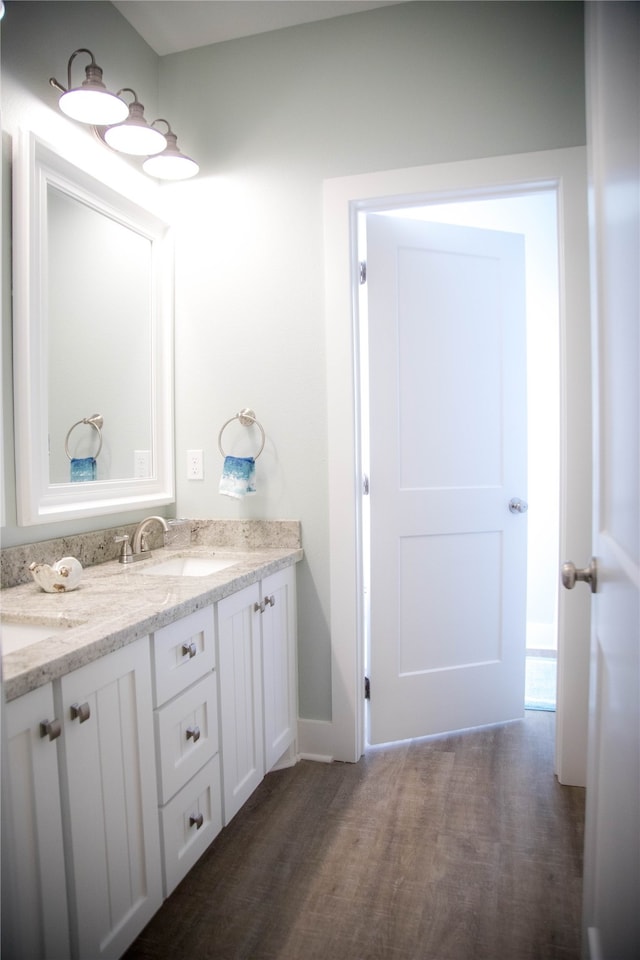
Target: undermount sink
point(17, 634)
point(188, 567)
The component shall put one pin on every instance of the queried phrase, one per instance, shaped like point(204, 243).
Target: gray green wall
point(269, 118)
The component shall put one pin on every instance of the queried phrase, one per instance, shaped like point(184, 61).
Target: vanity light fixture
point(91, 102)
point(171, 164)
point(134, 135)
point(121, 125)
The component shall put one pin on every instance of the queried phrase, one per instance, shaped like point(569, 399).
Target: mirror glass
point(99, 340)
point(93, 344)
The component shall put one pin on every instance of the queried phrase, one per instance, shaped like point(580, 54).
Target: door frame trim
point(344, 199)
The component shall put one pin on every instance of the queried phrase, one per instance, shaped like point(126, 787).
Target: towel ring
point(96, 421)
point(247, 418)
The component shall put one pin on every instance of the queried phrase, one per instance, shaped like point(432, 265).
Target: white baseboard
point(593, 941)
point(315, 738)
point(542, 636)
point(316, 757)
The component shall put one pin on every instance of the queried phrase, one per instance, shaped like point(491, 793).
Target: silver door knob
point(570, 574)
point(516, 505)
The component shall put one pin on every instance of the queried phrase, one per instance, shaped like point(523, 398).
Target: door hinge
point(367, 688)
point(363, 272)
point(365, 485)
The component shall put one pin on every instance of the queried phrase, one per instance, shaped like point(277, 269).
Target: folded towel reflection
point(238, 477)
point(83, 468)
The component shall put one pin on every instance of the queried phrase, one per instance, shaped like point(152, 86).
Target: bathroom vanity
point(135, 730)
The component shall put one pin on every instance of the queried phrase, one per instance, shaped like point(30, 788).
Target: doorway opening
point(532, 214)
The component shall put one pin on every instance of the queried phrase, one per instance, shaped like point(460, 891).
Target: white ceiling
point(169, 26)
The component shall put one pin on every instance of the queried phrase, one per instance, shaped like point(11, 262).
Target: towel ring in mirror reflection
point(96, 421)
point(247, 418)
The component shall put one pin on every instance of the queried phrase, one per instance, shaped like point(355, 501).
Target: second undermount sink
point(17, 634)
point(188, 567)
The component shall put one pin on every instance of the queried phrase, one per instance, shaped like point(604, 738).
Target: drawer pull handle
point(51, 729)
point(270, 601)
point(189, 648)
point(197, 821)
point(80, 711)
point(259, 607)
point(193, 732)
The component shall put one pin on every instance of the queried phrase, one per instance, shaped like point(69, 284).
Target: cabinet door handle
point(51, 729)
point(193, 732)
point(80, 711)
point(259, 607)
point(189, 648)
point(270, 601)
point(197, 821)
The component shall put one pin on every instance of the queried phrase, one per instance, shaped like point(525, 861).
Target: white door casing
point(344, 199)
point(611, 920)
point(448, 440)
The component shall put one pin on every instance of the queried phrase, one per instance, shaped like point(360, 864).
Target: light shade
point(91, 102)
point(135, 136)
point(171, 164)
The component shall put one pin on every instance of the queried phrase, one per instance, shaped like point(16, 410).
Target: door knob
point(516, 505)
point(588, 575)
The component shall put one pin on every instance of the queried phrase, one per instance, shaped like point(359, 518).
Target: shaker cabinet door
point(240, 679)
point(279, 664)
point(109, 790)
point(35, 921)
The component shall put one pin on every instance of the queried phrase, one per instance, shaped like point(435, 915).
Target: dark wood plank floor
point(461, 847)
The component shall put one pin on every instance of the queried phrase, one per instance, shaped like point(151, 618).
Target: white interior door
point(448, 451)
point(612, 840)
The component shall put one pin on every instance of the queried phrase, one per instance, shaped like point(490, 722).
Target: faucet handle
point(125, 552)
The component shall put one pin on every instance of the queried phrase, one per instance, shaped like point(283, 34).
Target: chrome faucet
point(139, 544)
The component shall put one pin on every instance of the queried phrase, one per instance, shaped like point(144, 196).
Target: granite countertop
point(117, 603)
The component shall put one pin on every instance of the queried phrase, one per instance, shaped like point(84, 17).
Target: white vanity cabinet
point(120, 773)
point(34, 893)
point(257, 667)
point(109, 799)
point(187, 743)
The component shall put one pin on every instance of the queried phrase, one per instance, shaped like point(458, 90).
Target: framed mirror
point(93, 344)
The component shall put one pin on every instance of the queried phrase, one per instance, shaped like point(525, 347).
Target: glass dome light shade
point(134, 136)
point(171, 164)
point(92, 102)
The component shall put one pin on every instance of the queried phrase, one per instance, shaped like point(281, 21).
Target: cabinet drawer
point(181, 653)
point(186, 735)
point(189, 823)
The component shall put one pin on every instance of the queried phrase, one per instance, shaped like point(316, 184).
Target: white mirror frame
point(35, 167)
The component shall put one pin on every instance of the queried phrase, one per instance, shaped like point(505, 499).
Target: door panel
point(447, 367)
point(612, 829)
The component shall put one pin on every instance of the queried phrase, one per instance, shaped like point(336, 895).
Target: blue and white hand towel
point(238, 478)
point(83, 469)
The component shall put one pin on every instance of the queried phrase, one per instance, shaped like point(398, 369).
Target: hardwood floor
point(461, 847)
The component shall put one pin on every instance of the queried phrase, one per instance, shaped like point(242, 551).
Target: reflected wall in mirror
point(100, 337)
point(93, 332)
